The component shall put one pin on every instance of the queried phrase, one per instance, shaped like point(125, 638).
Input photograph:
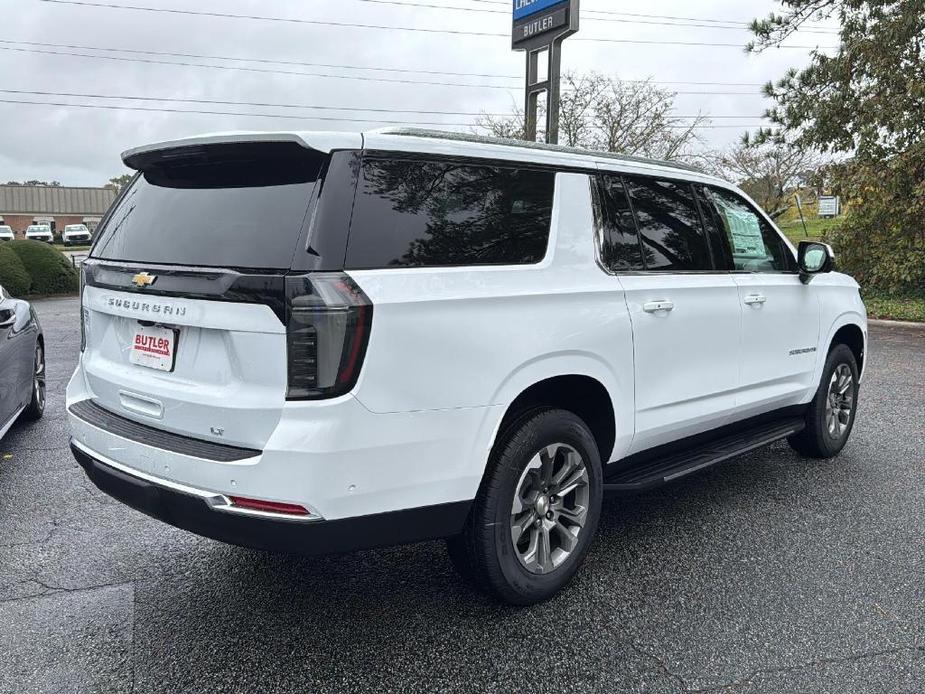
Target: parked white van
point(319, 342)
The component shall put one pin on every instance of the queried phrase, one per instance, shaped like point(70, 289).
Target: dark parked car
point(22, 362)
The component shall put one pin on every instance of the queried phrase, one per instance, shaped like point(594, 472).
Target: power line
point(246, 68)
point(145, 109)
point(264, 104)
point(356, 25)
point(290, 20)
point(638, 14)
point(261, 104)
point(285, 116)
point(659, 43)
point(269, 61)
point(618, 17)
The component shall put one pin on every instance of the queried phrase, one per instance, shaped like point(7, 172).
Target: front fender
point(849, 317)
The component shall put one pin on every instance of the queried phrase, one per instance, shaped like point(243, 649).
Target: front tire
point(830, 417)
point(536, 512)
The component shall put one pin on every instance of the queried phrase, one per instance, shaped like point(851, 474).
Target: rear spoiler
point(141, 158)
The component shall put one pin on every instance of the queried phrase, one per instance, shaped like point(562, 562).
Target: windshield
point(241, 207)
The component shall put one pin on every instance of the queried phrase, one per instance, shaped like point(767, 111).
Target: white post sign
point(829, 205)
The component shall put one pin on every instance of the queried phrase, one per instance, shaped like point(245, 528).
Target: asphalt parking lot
point(767, 574)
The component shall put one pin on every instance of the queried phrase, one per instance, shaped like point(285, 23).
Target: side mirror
point(7, 317)
point(814, 258)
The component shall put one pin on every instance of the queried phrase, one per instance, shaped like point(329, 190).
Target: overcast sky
point(81, 146)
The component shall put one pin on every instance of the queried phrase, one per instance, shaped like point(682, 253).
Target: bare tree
point(601, 112)
point(771, 173)
point(511, 127)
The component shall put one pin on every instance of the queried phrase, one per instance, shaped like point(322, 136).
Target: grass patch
point(816, 228)
point(904, 308)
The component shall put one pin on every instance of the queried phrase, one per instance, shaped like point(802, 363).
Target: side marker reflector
point(269, 506)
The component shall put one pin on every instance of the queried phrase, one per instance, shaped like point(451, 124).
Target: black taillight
point(329, 320)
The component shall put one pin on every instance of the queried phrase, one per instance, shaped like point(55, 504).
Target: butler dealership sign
point(540, 27)
point(538, 21)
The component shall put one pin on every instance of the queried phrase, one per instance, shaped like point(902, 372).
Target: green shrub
point(882, 239)
point(13, 275)
point(50, 270)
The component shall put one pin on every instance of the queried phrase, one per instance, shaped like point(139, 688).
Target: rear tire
point(36, 407)
point(831, 413)
point(536, 512)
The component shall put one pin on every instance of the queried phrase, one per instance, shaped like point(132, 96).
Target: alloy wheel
point(550, 508)
point(839, 401)
point(38, 381)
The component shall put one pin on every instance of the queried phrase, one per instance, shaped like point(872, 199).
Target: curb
point(895, 323)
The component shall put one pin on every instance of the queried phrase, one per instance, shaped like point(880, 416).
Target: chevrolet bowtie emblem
point(143, 279)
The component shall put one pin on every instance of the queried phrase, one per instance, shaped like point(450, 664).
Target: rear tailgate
point(221, 378)
point(184, 292)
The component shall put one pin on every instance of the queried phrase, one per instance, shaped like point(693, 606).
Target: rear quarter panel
point(445, 338)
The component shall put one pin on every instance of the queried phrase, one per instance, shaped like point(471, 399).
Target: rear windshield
point(241, 206)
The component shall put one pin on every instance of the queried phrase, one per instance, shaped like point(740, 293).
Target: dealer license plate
point(154, 347)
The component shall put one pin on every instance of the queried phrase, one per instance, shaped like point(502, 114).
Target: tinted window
point(620, 244)
point(756, 246)
point(716, 236)
point(669, 224)
point(243, 209)
point(429, 213)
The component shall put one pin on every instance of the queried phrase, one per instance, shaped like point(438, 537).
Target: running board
point(662, 470)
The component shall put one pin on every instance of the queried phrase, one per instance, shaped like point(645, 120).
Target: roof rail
point(508, 142)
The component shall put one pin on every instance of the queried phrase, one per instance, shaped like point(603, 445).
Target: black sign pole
point(553, 100)
point(532, 94)
point(536, 32)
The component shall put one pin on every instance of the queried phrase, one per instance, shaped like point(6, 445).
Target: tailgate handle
point(139, 404)
point(655, 306)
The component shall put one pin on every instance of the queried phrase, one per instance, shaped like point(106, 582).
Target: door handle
point(655, 306)
point(753, 299)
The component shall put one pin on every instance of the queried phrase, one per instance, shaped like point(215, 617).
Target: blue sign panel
point(524, 8)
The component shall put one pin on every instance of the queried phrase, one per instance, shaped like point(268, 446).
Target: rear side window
point(669, 225)
point(419, 213)
point(620, 248)
point(756, 246)
point(241, 207)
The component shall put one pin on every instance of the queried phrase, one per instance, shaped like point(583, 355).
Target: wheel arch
point(850, 328)
point(852, 336)
point(580, 393)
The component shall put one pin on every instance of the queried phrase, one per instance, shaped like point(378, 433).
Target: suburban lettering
point(145, 307)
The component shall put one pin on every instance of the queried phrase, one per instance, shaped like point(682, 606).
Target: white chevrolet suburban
point(321, 342)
